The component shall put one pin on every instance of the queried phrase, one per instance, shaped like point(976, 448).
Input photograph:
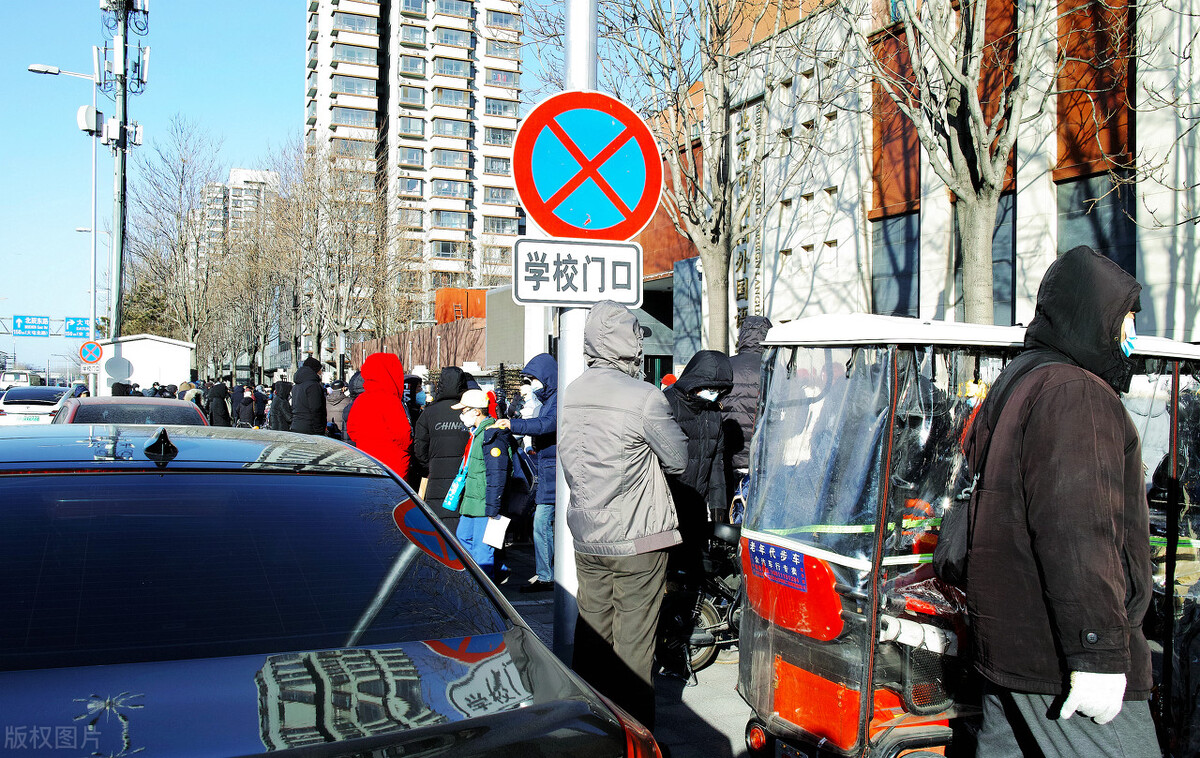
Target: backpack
point(954, 539)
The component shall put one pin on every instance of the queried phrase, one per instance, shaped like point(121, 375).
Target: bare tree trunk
point(716, 286)
point(976, 224)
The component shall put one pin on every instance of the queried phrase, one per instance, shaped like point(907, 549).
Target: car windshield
point(119, 568)
point(15, 376)
point(137, 413)
point(35, 395)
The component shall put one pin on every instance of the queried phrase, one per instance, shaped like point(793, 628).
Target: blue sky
point(234, 68)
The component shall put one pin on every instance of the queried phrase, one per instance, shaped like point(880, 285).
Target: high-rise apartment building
point(423, 97)
point(232, 208)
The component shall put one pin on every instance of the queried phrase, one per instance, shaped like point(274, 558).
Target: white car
point(31, 405)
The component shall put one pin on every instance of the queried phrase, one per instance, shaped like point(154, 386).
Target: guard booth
point(849, 644)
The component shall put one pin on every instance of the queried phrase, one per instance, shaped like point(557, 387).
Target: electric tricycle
point(849, 645)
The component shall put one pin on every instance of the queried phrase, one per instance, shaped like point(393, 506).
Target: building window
point(1094, 211)
point(413, 97)
point(451, 219)
point(496, 107)
point(352, 117)
point(504, 20)
point(411, 157)
point(454, 8)
point(353, 85)
point(499, 225)
point(352, 22)
point(500, 78)
point(895, 270)
point(453, 98)
point(412, 7)
point(410, 218)
point(503, 49)
point(443, 158)
point(446, 249)
point(353, 148)
point(450, 188)
point(446, 279)
point(407, 186)
point(454, 37)
point(447, 127)
point(452, 67)
point(412, 65)
point(412, 35)
point(495, 136)
point(500, 195)
point(502, 166)
point(363, 56)
point(497, 254)
point(409, 126)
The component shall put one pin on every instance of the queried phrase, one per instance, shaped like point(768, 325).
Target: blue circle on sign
point(564, 154)
point(90, 352)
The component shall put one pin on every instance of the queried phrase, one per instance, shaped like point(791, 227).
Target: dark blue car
point(197, 591)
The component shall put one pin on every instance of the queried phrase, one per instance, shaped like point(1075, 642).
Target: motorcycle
point(700, 621)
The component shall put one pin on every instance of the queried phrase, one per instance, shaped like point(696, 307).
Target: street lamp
point(93, 130)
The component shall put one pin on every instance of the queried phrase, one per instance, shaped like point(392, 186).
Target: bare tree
point(167, 232)
point(698, 72)
point(970, 75)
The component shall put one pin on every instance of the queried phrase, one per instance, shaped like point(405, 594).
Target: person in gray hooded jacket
point(617, 442)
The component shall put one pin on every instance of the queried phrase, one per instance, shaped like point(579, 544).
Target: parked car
point(21, 378)
point(31, 405)
point(203, 591)
point(130, 410)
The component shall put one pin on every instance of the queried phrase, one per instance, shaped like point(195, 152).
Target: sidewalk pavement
point(704, 720)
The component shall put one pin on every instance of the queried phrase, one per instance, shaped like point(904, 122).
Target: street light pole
point(38, 68)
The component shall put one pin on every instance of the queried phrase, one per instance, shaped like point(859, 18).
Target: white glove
point(1096, 695)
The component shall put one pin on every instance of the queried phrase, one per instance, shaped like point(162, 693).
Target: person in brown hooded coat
point(1059, 572)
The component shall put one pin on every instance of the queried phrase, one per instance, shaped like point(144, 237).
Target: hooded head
point(355, 385)
point(753, 332)
point(1081, 305)
point(312, 363)
point(383, 372)
point(544, 368)
point(219, 391)
point(708, 369)
point(452, 384)
point(283, 389)
point(612, 338)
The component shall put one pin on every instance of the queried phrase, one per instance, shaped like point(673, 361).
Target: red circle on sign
point(538, 207)
point(90, 352)
point(415, 525)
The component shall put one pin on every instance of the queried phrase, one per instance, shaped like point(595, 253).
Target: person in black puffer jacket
point(699, 492)
point(439, 441)
point(280, 418)
point(308, 399)
point(244, 412)
point(740, 406)
point(218, 405)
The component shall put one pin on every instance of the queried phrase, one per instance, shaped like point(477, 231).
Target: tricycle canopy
point(849, 641)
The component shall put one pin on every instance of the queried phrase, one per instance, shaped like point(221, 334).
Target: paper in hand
point(493, 533)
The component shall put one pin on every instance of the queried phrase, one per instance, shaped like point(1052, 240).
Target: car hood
point(469, 696)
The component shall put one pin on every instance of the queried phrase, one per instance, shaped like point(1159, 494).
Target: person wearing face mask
point(699, 491)
point(1058, 568)
point(541, 373)
point(488, 457)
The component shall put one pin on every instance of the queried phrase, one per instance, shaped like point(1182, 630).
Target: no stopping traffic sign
point(586, 166)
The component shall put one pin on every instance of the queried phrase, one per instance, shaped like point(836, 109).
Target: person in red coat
point(377, 424)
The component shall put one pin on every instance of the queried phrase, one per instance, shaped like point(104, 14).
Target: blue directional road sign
point(31, 326)
point(76, 327)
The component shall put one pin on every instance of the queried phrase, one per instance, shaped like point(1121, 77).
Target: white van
point(21, 379)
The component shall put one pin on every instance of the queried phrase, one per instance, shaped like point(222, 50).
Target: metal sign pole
point(581, 60)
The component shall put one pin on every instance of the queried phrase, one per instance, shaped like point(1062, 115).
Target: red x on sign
point(587, 166)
